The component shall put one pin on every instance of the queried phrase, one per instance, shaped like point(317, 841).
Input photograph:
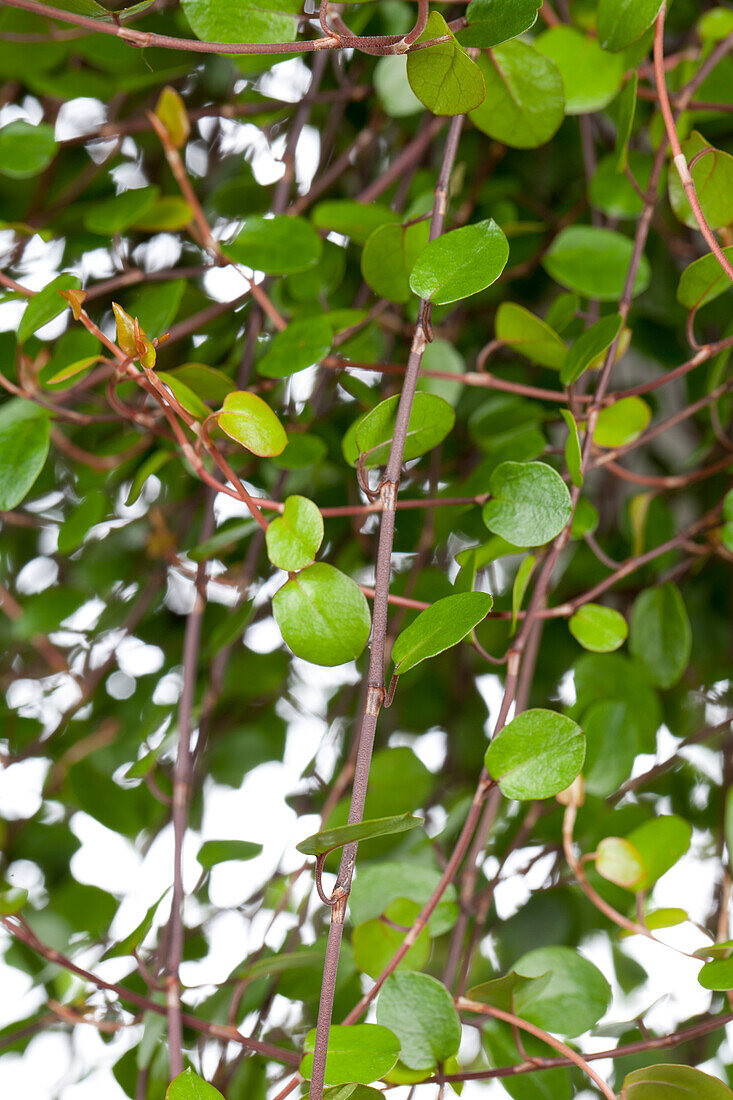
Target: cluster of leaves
point(241, 414)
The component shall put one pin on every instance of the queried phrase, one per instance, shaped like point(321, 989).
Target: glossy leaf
point(519, 588)
point(171, 110)
point(594, 261)
point(419, 1010)
point(357, 220)
point(241, 20)
point(24, 442)
point(328, 839)
point(573, 453)
point(618, 861)
point(389, 256)
point(323, 615)
point(525, 102)
point(591, 78)
point(660, 636)
point(25, 150)
point(442, 625)
point(376, 941)
point(599, 629)
point(302, 344)
point(360, 1053)
point(378, 885)
point(248, 420)
point(115, 215)
point(621, 22)
point(460, 263)
point(590, 344)
point(660, 842)
point(491, 22)
point(529, 336)
point(572, 1000)
point(443, 76)
point(189, 1086)
point(213, 852)
point(431, 420)
point(529, 505)
point(672, 1082)
point(277, 246)
point(536, 755)
point(294, 538)
point(621, 422)
point(703, 281)
point(625, 124)
point(712, 175)
point(45, 305)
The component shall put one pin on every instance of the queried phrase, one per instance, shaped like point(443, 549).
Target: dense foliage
point(364, 454)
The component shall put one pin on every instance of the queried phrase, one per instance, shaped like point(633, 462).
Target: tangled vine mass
point(366, 532)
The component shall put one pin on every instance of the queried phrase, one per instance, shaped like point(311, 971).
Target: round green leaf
point(420, 1011)
point(389, 256)
point(589, 345)
point(491, 22)
point(277, 246)
point(25, 150)
point(529, 335)
point(442, 625)
point(24, 441)
point(525, 103)
point(622, 422)
point(115, 215)
point(443, 77)
point(302, 344)
point(621, 22)
point(212, 852)
point(660, 842)
point(360, 1053)
point(619, 862)
point(89, 511)
point(240, 20)
point(45, 305)
point(612, 742)
point(712, 175)
point(248, 420)
point(572, 1001)
point(594, 261)
point(537, 755)
point(189, 1086)
point(670, 1082)
point(610, 191)
point(328, 839)
point(600, 629)
point(717, 975)
point(294, 538)
point(431, 420)
point(353, 219)
point(393, 88)
point(323, 615)
point(703, 280)
point(378, 885)
point(530, 503)
point(591, 78)
point(376, 941)
point(660, 635)
point(460, 263)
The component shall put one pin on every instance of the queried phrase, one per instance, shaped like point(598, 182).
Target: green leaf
point(323, 615)
point(460, 263)
point(610, 191)
point(525, 103)
point(45, 305)
point(12, 900)
point(212, 852)
point(621, 22)
point(277, 246)
point(442, 625)
point(501, 1048)
point(431, 420)
point(717, 975)
point(703, 280)
point(574, 998)
point(618, 861)
point(589, 345)
point(420, 1011)
point(660, 842)
point(248, 420)
point(670, 1082)
point(115, 215)
point(241, 20)
point(626, 104)
point(529, 335)
point(78, 523)
point(591, 78)
point(594, 261)
point(302, 344)
point(443, 77)
point(156, 306)
point(360, 1053)
point(189, 1086)
point(206, 382)
point(293, 539)
point(573, 453)
point(712, 175)
point(500, 992)
point(537, 755)
point(72, 370)
point(352, 1092)
point(184, 395)
point(357, 220)
point(393, 88)
point(302, 450)
point(660, 635)
point(376, 941)
point(530, 503)
point(378, 885)
point(519, 587)
point(599, 629)
point(491, 22)
point(167, 215)
point(26, 150)
point(621, 422)
point(389, 256)
point(24, 441)
point(328, 839)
